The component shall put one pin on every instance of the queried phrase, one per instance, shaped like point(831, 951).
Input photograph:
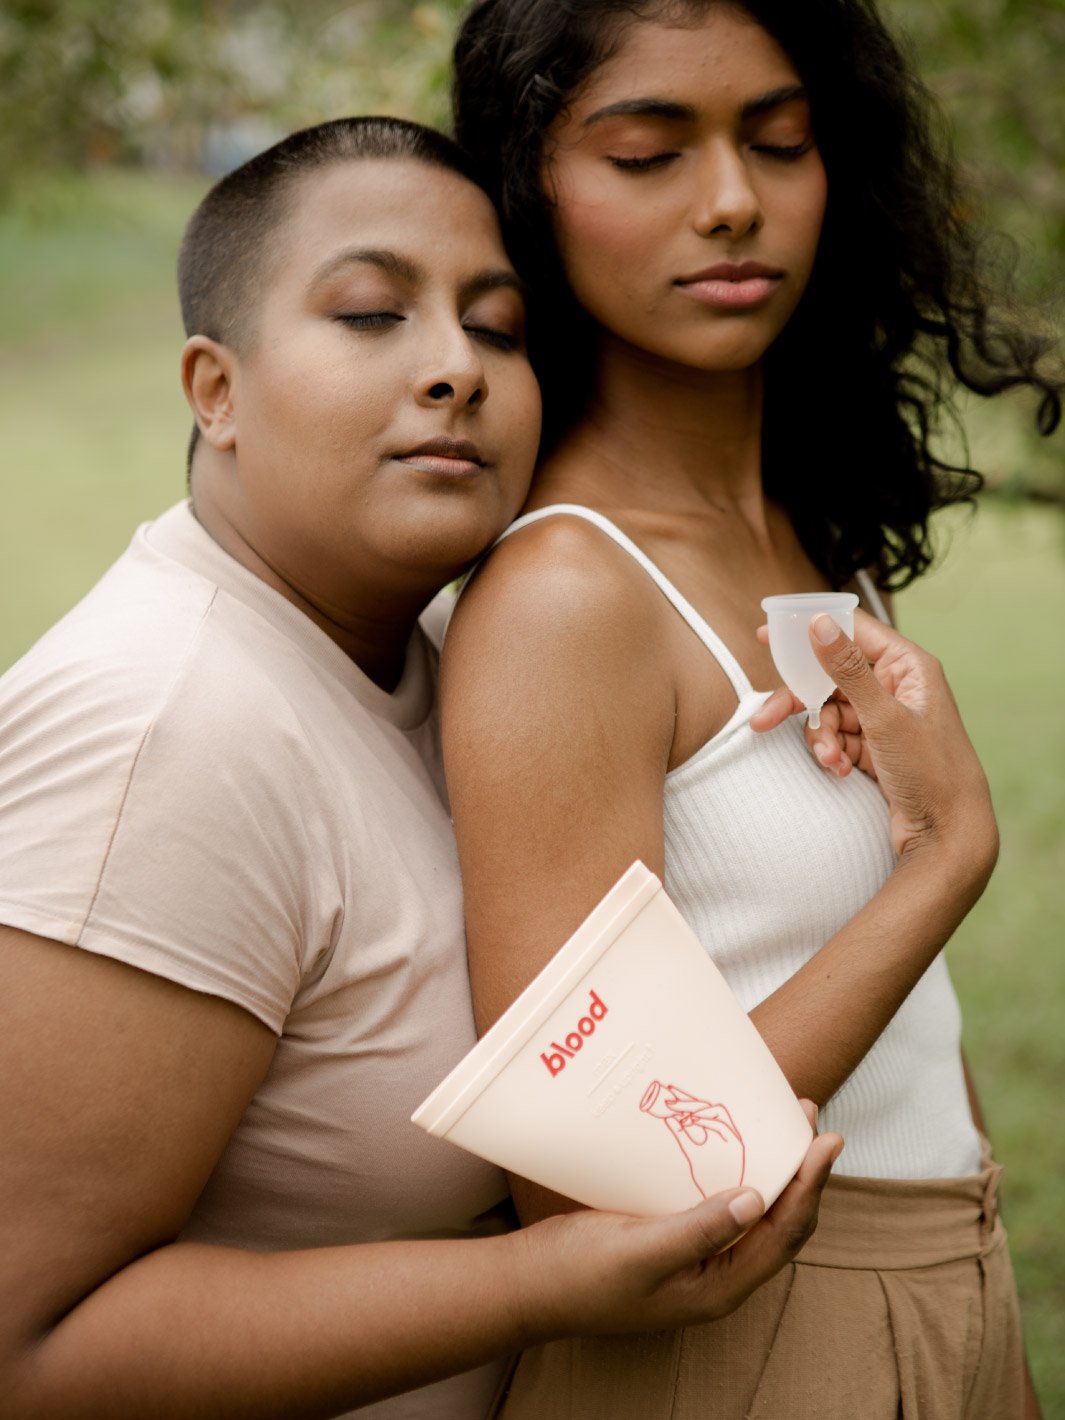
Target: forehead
point(717, 51)
point(434, 215)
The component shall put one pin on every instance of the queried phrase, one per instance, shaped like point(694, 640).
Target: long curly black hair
point(858, 384)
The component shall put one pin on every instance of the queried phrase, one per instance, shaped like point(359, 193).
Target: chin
point(726, 353)
point(452, 542)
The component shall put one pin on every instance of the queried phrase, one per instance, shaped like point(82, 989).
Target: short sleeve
point(164, 815)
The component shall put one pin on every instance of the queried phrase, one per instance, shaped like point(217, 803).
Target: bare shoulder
point(559, 586)
point(558, 713)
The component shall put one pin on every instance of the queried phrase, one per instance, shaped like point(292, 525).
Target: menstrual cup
point(789, 642)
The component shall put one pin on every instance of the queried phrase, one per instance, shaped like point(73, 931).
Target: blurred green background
point(113, 119)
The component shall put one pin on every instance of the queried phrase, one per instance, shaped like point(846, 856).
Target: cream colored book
point(626, 1075)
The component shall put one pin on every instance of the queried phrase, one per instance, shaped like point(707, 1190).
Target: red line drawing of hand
point(702, 1131)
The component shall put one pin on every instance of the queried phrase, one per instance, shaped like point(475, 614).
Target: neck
point(664, 437)
point(372, 626)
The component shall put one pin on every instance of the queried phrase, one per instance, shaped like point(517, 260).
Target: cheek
point(808, 215)
point(512, 418)
point(591, 231)
point(603, 240)
point(604, 259)
point(317, 404)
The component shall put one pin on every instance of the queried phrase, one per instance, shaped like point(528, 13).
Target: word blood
point(555, 1058)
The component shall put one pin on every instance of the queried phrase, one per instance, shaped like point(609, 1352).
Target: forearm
point(824, 1019)
point(196, 1330)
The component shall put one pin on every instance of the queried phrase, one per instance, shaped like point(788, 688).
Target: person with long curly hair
point(755, 287)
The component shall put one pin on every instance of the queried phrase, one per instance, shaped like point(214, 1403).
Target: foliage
point(145, 79)
point(996, 67)
point(182, 83)
point(199, 85)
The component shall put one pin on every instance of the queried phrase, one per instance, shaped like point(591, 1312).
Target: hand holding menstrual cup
point(789, 620)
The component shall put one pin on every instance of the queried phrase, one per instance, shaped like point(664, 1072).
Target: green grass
point(93, 422)
point(92, 434)
point(993, 615)
point(73, 248)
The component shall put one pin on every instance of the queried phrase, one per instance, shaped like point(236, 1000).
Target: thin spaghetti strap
point(872, 596)
point(710, 639)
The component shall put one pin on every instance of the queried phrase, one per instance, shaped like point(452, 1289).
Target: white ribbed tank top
point(767, 857)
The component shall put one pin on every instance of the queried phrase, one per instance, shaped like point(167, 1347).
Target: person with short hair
point(232, 957)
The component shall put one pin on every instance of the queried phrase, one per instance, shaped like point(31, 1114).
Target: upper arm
point(557, 725)
point(118, 1093)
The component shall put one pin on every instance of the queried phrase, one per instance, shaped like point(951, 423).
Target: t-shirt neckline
point(176, 534)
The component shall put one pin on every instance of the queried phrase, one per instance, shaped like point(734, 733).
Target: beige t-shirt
point(195, 780)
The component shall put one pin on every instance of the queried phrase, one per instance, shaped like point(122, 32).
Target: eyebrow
point(498, 280)
point(395, 264)
point(385, 260)
point(685, 113)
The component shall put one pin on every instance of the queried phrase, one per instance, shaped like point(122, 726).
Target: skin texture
point(570, 685)
point(672, 142)
point(121, 1089)
point(356, 361)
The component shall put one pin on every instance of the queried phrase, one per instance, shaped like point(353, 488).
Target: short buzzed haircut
point(227, 241)
point(228, 253)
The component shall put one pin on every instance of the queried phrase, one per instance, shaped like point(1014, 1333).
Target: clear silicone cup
point(789, 620)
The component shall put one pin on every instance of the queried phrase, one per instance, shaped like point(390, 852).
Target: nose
point(726, 200)
point(454, 372)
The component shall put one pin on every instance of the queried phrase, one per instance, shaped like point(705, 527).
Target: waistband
point(887, 1223)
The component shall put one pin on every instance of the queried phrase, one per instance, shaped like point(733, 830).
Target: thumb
point(844, 661)
point(710, 1227)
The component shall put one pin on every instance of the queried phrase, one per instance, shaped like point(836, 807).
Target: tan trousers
point(901, 1305)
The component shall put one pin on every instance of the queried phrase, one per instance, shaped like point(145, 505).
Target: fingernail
point(820, 753)
point(746, 1208)
point(825, 628)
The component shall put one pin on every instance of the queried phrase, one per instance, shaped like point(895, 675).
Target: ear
point(208, 374)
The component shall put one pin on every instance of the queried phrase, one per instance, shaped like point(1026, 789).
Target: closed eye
point(643, 165)
point(369, 320)
point(785, 152)
point(500, 339)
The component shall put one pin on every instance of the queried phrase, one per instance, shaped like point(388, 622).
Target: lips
point(731, 271)
point(445, 456)
point(731, 285)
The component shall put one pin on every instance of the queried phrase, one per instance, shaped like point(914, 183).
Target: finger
point(852, 747)
point(848, 717)
point(832, 758)
point(783, 1231)
point(866, 763)
point(833, 747)
point(818, 1161)
point(845, 662)
point(826, 742)
point(710, 1227)
point(875, 637)
point(780, 705)
point(788, 1225)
